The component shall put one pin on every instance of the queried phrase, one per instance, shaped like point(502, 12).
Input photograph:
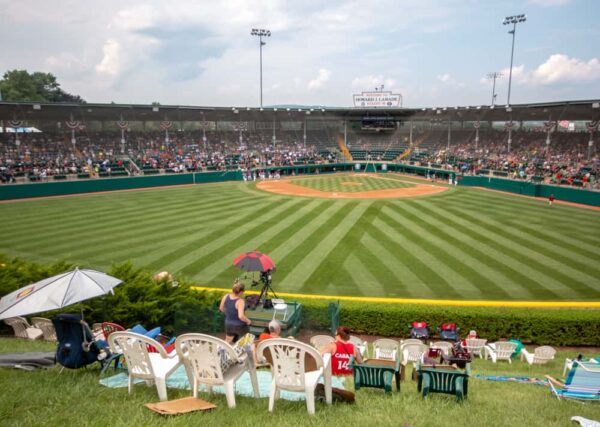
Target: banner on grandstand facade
point(72, 124)
point(15, 123)
point(550, 126)
point(122, 124)
point(477, 125)
point(592, 126)
point(166, 125)
point(377, 99)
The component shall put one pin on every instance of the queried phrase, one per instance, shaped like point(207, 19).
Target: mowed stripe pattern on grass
point(460, 244)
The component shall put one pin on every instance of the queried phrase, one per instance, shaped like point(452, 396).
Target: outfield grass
point(464, 243)
point(75, 398)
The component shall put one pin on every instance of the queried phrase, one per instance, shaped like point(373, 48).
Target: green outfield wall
point(567, 194)
point(44, 189)
point(29, 190)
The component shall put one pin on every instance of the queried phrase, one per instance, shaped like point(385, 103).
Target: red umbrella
point(254, 261)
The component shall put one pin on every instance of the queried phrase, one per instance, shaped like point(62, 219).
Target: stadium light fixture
point(260, 33)
point(493, 76)
point(514, 20)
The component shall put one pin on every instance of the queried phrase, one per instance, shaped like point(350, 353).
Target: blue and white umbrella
point(57, 292)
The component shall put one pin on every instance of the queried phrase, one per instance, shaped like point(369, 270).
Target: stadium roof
point(566, 110)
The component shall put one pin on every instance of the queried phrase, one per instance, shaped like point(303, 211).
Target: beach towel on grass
point(522, 380)
point(243, 386)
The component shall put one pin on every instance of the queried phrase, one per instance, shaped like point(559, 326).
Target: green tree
point(20, 85)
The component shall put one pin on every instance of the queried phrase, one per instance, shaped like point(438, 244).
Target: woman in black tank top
point(233, 305)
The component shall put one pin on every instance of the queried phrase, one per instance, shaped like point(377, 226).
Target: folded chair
point(501, 350)
point(202, 355)
point(46, 327)
point(141, 363)
point(582, 382)
point(23, 329)
point(288, 366)
point(540, 355)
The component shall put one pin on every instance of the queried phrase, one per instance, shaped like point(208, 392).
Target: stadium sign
point(377, 99)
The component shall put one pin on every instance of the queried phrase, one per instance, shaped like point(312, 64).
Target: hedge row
point(563, 327)
point(141, 299)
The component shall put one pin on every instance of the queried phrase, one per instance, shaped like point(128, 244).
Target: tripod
point(265, 277)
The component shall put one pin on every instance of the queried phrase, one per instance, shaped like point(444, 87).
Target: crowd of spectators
point(566, 160)
point(39, 156)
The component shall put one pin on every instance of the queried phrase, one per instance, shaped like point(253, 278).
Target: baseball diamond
point(460, 244)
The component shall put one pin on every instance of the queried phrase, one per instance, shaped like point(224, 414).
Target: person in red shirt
point(551, 199)
point(341, 350)
point(274, 331)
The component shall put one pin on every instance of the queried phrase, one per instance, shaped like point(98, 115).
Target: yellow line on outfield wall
point(422, 301)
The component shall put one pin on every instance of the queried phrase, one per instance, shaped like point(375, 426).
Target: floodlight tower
point(260, 33)
point(516, 19)
point(493, 76)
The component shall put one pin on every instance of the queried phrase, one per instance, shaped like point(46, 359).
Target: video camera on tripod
point(266, 279)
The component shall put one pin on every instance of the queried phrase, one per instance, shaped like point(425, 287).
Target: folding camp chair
point(582, 383)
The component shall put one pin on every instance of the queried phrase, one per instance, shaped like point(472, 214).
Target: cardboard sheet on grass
point(180, 406)
point(243, 386)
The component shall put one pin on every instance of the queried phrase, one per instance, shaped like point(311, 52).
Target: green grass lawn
point(75, 398)
point(460, 244)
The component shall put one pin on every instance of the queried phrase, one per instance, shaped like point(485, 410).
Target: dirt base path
point(289, 189)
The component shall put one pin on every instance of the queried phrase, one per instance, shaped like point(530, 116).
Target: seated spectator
point(341, 350)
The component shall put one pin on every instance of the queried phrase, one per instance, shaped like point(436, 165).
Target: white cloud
point(444, 78)
point(111, 61)
point(560, 68)
point(518, 73)
point(319, 81)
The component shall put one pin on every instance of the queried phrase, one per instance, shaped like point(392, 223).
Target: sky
point(199, 52)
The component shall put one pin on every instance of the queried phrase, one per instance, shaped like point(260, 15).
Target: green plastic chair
point(443, 380)
point(376, 375)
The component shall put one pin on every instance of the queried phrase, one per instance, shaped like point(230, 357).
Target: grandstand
point(107, 140)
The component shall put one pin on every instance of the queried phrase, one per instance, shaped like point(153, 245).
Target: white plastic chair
point(202, 356)
point(360, 345)
point(320, 341)
point(410, 341)
point(475, 346)
point(413, 353)
point(501, 350)
point(46, 326)
point(288, 364)
point(444, 346)
point(540, 355)
point(23, 329)
point(151, 367)
point(386, 349)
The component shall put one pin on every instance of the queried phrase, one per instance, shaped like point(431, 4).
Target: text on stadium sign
point(376, 99)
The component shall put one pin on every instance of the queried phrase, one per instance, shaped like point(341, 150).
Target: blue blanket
point(243, 386)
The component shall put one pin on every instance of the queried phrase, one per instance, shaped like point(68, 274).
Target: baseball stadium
point(295, 263)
